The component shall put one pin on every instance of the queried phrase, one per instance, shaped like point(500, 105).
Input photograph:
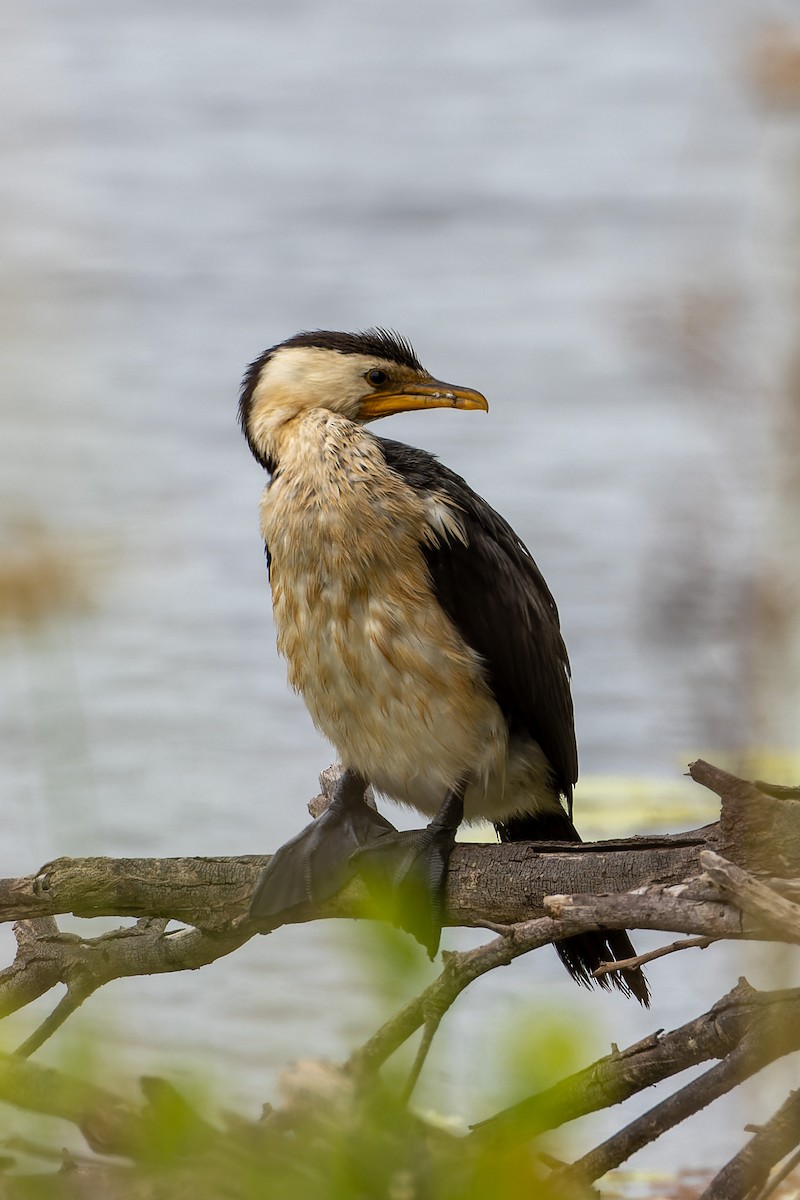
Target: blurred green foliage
point(328, 1136)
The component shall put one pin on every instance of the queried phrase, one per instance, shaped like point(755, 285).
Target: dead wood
point(738, 878)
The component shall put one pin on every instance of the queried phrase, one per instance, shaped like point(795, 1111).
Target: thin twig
point(774, 1182)
point(780, 791)
point(429, 1030)
point(750, 1168)
point(639, 960)
point(770, 1016)
point(762, 1042)
point(497, 927)
point(67, 1005)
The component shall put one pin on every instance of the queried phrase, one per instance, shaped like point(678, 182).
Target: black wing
point(496, 597)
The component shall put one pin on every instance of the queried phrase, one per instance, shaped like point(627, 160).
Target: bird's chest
point(346, 572)
point(333, 574)
point(381, 668)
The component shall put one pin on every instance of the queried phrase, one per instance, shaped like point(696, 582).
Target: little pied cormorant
point(418, 629)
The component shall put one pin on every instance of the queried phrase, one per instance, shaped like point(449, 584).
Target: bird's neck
point(269, 431)
point(287, 436)
point(316, 444)
point(333, 503)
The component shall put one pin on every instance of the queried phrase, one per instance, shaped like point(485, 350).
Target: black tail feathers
point(583, 953)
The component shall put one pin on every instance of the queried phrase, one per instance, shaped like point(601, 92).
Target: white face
point(305, 377)
point(360, 387)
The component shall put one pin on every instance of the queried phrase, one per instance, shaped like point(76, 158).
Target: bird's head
point(360, 376)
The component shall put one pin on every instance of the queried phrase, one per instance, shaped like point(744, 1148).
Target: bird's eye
point(376, 377)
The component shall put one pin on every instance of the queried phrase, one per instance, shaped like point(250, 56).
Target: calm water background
point(581, 210)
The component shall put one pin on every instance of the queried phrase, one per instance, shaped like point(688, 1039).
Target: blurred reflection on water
point(560, 205)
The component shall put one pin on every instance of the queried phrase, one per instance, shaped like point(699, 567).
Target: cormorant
point(418, 629)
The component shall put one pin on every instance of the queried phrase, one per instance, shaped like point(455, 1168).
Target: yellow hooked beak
point(431, 393)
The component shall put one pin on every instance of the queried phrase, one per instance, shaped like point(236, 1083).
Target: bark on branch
point(499, 883)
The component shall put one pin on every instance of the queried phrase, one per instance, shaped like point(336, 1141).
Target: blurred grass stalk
point(775, 71)
point(48, 580)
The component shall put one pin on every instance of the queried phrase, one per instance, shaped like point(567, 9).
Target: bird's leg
point(409, 869)
point(318, 861)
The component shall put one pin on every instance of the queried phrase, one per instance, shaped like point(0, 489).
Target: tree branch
point(750, 1168)
point(500, 883)
point(641, 960)
point(109, 1124)
point(758, 829)
point(46, 956)
point(768, 1020)
point(571, 915)
point(531, 894)
point(752, 896)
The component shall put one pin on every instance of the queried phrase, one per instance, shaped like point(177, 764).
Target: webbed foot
point(407, 872)
point(318, 861)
